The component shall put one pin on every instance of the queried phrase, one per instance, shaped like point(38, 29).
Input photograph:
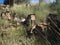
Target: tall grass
point(41, 11)
point(13, 35)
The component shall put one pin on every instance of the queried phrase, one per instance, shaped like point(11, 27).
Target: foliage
point(21, 1)
point(41, 10)
point(55, 7)
point(13, 35)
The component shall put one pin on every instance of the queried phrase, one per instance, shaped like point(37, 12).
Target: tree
point(8, 2)
point(56, 6)
point(40, 1)
point(57, 1)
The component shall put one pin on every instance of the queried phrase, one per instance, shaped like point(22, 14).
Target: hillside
point(10, 35)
